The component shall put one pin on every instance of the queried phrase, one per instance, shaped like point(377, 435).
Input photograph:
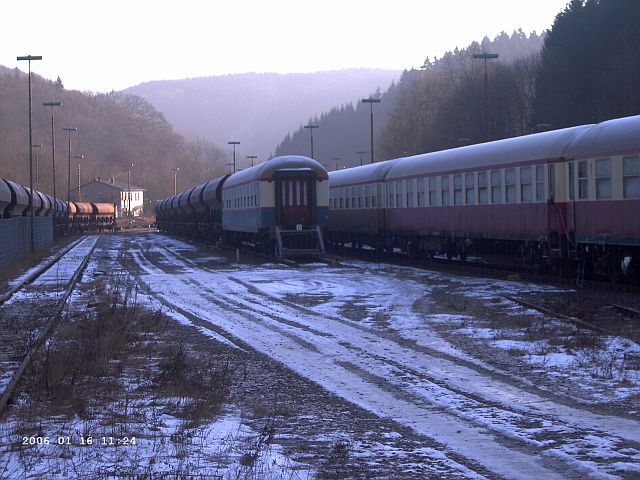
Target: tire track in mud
point(400, 371)
point(247, 311)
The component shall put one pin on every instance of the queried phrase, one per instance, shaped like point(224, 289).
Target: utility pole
point(485, 57)
point(311, 127)
point(29, 58)
point(371, 101)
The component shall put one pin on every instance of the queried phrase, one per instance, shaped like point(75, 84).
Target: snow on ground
point(355, 330)
point(373, 335)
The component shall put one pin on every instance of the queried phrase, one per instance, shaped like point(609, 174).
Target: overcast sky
point(101, 45)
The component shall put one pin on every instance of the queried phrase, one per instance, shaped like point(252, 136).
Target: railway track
point(32, 309)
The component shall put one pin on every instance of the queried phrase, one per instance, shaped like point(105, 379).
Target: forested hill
point(113, 130)
point(257, 109)
point(427, 109)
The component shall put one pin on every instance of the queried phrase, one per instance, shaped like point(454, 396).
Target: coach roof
point(613, 137)
point(372, 173)
point(264, 172)
point(527, 148)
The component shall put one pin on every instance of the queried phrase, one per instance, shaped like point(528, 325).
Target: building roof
point(110, 182)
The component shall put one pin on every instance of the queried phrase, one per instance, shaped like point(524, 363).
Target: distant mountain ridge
point(257, 109)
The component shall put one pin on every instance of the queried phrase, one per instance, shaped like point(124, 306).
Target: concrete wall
point(15, 236)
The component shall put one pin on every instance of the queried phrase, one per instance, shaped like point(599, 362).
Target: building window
point(631, 177)
point(444, 184)
point(583, 180)
point(496, 186)
point(457, 189)
point(603, 178)
point(526, 184)
point(510, 184)
point(433, 191)
point(421, 192)
point(470, 189)
point(483, 188)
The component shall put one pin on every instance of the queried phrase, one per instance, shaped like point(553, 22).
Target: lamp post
point(53, 154)
point(69, 130)
point(311, 127)
point(234, 143)
point(29, 58)
point(79, 157)
point(37, 146)
point(252, 158)
point(485, 57)
point(371, 101)
point(175, 179)
point(361, 153)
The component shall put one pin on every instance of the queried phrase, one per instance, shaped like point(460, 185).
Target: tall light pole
point(311, 127)
point(79, 157)
point(371, 101)
point(361, 153)
point(252, 158)
point(234, 143)
point(485, 57)
point(37, 146)
point(69, 130)
point(175, 179)
point(53, 155)
point(29, 58)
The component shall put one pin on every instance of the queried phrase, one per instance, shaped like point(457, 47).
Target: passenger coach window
point(444, 183)
point(583, 180)
point(409, 193)
point(433, 191)
point(392, 190)
point(470, 189)
point(572, 175)
point(483, 189)
point(631, 177)
point(496, 186)
point(457, 189)
point(603, 178)
point(540, 183)
point(510, 183)
point(526, 185)
point(360, 204)
point(421, 192)
point(399, 194)
point(353, 197)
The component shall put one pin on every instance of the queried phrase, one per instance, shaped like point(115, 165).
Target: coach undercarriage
point(556, 253)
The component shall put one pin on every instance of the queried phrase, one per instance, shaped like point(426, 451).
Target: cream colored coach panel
point(267, 194)
point(322, 193)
